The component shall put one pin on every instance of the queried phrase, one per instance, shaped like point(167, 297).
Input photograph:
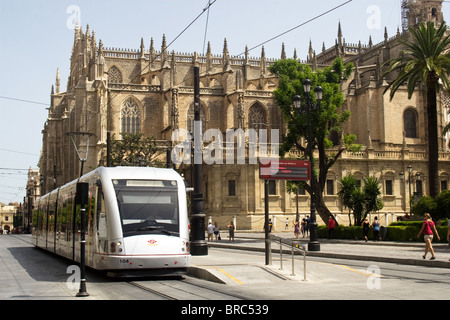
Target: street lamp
point(313, 244)
point(416, 176)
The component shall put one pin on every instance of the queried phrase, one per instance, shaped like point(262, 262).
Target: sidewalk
point(409, 253)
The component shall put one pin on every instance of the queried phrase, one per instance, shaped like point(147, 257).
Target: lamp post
point(199, 246)
point(313, 244)
point(402, 177)
point(81, 198)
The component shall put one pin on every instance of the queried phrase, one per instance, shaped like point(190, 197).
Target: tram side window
point(91, 211)
point(59, 211)
point(66, 220)
point(40, 218)
point(101, 215)
point(51, 216)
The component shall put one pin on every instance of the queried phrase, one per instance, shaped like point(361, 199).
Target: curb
point(405, 261)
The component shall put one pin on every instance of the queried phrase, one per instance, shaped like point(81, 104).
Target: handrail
point(294, 246)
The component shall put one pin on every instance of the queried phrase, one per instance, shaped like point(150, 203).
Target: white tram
point(136, 219)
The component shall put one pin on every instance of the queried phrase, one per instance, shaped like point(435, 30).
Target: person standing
point(331, 226)
point(303, 227)
point(231, 231)
point(376, 229)
point(427, 229)
point(216, 231)
point(210, 231)
point(308, 221)
point(448, 234)
point(296, 228)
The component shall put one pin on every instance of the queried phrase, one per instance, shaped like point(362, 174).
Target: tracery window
point(190, 119)
point(114, 75)
point(257, 117)
point(410, 123)
point(130, 117)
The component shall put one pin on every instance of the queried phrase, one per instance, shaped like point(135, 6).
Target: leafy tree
point(439, 207)
point(348, 184)
point(372, 192)
point(134, 149)
point(362, 200)
point(327, 118)
point(424, 60)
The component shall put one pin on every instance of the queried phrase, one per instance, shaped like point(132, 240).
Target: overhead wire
point(298, 26)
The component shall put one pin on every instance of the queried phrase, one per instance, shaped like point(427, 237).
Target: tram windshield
point(148, 206)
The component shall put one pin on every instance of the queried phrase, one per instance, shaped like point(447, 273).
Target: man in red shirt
point(331, 226)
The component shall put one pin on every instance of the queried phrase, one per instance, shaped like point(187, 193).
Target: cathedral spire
point(58, 81)
point(226, 56)
point(142, 48)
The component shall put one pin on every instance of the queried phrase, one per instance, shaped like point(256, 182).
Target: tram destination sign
point(282, 169)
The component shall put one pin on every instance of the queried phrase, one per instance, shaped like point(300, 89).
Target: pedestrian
point(231, 231)
point(448, 232)
point(216, 231)
point(308, 221)
point(303, 227)
point(270, 225)
point(210, 231)
point(366, 226)
point(427, 229)
point(296, 228)
point(286, 224)
point(331, 226)
point(376, 229)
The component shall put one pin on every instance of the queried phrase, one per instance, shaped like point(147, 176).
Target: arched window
point(130, 117)
point(114, 75)
point(410, 123)
point(257, 117)
point(190, 119)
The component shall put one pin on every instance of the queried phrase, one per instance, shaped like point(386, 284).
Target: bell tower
point(416, 11)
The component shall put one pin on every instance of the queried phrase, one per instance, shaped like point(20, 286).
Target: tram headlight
point(116, 246)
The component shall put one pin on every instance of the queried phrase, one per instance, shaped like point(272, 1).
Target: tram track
point(185, 289)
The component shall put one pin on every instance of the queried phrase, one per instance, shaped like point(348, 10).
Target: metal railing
point(294, 245)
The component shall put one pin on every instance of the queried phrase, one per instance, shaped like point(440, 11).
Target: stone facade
point(149, 91)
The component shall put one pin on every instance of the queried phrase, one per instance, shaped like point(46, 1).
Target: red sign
point(282, 169)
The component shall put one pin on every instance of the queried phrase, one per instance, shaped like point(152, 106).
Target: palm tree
point(348, 185)
point(424, 60)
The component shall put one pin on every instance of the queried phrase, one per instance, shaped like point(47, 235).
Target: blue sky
point(36, 38)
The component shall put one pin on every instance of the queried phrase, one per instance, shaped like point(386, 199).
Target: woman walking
point(366, 226)
point(296, 228)
point(427, 229)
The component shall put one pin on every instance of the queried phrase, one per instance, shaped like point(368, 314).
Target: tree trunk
point(433, 144)
point(321, 209)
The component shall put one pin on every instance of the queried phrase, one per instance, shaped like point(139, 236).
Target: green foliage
point(425, 205)
point(326, 117)
point(400, 233)
point(425, 58)
point(363, 200)
point(439, 208)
